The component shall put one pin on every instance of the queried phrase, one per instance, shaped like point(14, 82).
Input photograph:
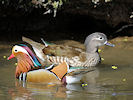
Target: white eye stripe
point(99, 38)
point(19, 49)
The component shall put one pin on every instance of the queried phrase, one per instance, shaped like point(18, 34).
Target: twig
point(123, 27)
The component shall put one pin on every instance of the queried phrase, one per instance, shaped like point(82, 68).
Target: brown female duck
point(75, 57)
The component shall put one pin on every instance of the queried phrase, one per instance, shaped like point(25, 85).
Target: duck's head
point(26, 60)
point(95, 40)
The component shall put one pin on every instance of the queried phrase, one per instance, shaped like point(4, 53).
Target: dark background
point(75, 20)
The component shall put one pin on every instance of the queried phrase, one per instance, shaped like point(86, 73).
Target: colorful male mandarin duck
point(75, 57)
point(29, 68)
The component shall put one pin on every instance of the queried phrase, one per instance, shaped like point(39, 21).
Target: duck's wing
point(53, 74)
point(80, 70)
point(62, 51)
point(42, 76)
point(54, 50)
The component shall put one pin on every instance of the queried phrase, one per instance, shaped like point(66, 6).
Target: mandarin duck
point(74, 56)
point(30, 69)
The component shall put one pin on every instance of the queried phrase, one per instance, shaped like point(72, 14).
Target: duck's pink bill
point(10, 57)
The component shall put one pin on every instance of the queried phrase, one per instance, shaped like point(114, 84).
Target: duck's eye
point(16, 50)
point(100, 38)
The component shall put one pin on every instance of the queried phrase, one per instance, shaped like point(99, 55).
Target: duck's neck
point(91, 49)
point(25, 64)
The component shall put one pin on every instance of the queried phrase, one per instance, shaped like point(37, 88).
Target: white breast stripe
point(24, 76)
point(20, 76)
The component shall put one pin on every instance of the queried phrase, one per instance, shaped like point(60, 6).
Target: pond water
point(105, 83)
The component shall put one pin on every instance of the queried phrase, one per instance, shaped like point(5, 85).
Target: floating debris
point(84, 85)
point(124, 79)
point(4, 57)
point(114, 67)
point(16, 64)
point(102, 59)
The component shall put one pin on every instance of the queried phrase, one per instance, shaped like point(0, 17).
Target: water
point(104, 83)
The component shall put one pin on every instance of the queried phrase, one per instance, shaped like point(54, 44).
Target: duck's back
point(62, 51)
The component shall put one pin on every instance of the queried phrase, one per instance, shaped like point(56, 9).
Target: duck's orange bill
point(10, 57)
